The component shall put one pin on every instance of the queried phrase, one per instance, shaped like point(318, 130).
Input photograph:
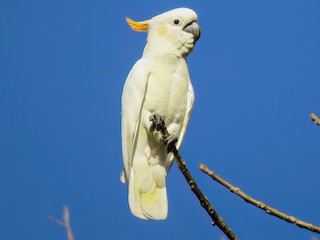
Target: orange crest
point(138, 26)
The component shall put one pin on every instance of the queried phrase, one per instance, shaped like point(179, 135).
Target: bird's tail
point(147, 194)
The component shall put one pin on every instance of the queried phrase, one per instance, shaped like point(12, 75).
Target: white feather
point(158, 83)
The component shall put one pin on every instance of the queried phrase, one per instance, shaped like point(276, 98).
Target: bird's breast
point(167, 91)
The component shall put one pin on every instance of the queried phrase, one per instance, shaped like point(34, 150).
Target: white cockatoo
point(158, 83)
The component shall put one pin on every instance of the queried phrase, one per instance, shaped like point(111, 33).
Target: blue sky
point(256, 77)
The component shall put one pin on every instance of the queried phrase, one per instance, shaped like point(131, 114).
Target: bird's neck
point(163, 48)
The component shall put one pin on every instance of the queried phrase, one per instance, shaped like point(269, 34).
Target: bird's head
point(172, 32)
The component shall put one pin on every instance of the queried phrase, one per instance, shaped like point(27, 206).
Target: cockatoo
point(158, 83)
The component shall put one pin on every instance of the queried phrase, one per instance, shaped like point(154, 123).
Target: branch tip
point(315, 119)
point(268, 209)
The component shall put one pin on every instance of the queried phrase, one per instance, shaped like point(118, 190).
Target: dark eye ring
point(176, 21)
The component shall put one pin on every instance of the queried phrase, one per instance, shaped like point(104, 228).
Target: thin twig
point(315, 119)
point(65, 223)
point(259, 204)
point(216, 218)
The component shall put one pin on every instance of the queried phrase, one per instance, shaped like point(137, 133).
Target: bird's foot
point(157, 122)
point(170, 142)
point(159, 125)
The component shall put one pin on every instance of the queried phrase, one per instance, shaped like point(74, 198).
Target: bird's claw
point(157, 122)
point(158, 125)
point(170, 142)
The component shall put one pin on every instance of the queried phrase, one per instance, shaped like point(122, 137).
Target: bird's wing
point(133, 96)
point(190, 101)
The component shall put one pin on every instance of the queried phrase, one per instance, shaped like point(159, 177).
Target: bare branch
point(315, 119)
point(216, 218)
point(65, 223)
point(259, 204)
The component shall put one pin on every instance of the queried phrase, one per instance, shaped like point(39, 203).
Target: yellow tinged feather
point(138, 26)
point(162, 30)
point(150, 197)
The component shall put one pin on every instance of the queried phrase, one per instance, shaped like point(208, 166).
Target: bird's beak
point(138, 26)
point(194, 29)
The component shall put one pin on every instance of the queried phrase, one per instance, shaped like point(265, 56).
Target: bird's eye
point(176, 21)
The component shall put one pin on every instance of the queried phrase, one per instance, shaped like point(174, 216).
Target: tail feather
point(123, 176)
point(151, 204)
point(134, 198)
